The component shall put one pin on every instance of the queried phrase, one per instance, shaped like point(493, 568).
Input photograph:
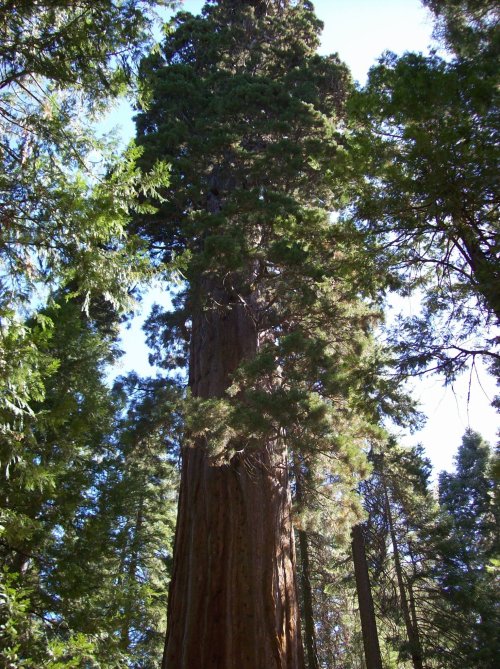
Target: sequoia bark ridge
point(232, 601)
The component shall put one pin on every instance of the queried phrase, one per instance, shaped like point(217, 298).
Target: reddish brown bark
point(232, 600)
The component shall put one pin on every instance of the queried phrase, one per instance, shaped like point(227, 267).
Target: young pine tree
point(468, 543)
point(400, 552)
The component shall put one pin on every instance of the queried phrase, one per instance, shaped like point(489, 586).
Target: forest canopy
point(250, 500)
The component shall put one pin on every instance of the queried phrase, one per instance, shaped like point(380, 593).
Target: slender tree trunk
point(411, 594)
point(305, 580)
point(414, 622)
point(366, 610)
point(232, 600)
point(411, 631)
point(133, 551)
point(307, 603)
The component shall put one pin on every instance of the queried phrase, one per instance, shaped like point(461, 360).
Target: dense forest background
point(89, 469)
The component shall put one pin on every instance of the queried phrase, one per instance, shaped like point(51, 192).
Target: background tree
point(431, 565)
point(371, 643)
point(467, 27)
point(66, 271)
point(399, 549)
point(47, 480)
point(337, 625)
point(87, 511)
point(61, 66)
point(469, 542)
point(429, 204)
point(401, 513)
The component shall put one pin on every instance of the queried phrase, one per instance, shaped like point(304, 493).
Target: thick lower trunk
point(232, 600)
point(232, 603)
point(365, 600)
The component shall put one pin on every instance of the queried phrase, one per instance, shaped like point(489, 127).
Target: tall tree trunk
point(411, 631)
point(366, 610)
point(133, 553)
point(305, 581)
point(414, 621)
point(232, 600)
point(411, 594)
point(307, 603)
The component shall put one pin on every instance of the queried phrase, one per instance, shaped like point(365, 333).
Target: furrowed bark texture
point(232, 600)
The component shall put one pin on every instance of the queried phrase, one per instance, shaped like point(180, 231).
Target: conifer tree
point(66, 271)
point(247, 115)
point(62, 65)
point(401, 553)
point(337, 627)
point(468, 541)
point(47, 483)
point(364, 591)
point(88, 510)
point(428, 202)
point(127, 538)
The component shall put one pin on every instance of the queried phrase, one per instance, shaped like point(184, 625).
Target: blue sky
point(359, 31)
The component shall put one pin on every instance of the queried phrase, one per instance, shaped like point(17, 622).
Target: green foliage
point(14, 602)
point(65, 204)
point(467, 27)
point(253, 137)
point(91, 46)
point(445, 552)
point(62, 222)
point(50, 463)
point(23, 369)
point(338, 630)
point(59, 65)
point(401, 512)
point(124, 543)
point(240, 158)
point(424, 140)
point(88, 507)
point(196, 84)
point(468, 542)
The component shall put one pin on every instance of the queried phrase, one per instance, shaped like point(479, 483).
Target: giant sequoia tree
point(247, 115)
